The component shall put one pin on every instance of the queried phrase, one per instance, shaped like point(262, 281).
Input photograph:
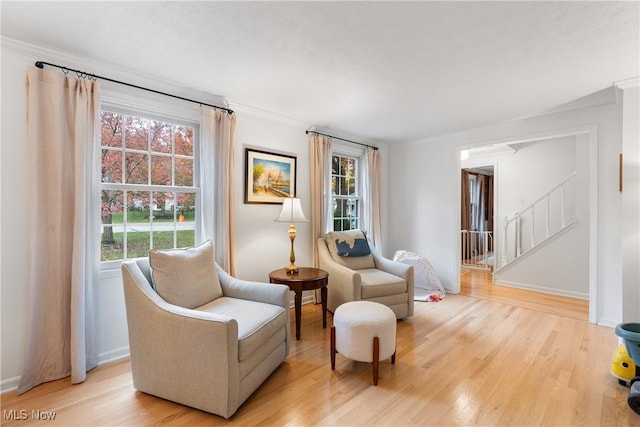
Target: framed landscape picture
point(268, 176)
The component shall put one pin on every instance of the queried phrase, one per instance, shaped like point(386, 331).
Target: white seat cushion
point(257, 321)
point(378, 283)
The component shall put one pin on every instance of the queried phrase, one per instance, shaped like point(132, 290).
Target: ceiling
point(387, 71)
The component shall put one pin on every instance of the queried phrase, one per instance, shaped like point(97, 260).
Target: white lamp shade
point(291, 211)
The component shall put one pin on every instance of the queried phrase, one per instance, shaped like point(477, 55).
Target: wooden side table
point(306, 279)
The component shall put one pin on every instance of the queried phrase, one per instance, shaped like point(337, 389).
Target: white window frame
point(356, 154)
point(161, 112)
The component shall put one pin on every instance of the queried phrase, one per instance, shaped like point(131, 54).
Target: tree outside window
point(148, 193)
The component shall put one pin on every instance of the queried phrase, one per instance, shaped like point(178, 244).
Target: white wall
point(425, 219)
point(13, 291)
point(426, 183)
point(261, 244)
point(631, 201)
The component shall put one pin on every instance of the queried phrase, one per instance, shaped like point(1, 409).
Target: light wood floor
point(479, 284)
point(467, 360)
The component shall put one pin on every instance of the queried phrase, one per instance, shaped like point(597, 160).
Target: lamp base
point(292, 269)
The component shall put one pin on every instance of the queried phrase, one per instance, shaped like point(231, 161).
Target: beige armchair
point(212, 354)
point(357, 271)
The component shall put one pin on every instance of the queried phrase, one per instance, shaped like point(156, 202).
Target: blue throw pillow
point(360, 248)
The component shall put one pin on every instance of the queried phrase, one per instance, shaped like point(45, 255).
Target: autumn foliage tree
point(142, 151)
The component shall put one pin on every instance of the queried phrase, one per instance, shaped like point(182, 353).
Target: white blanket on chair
point(427, 286)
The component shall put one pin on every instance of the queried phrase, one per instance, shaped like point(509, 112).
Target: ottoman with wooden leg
point(364, 331)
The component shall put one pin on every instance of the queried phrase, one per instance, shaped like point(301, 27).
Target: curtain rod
point(82, 74)
point(341, 139)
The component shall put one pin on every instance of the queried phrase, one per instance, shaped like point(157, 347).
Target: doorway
point(477, 218)
point(585, 141)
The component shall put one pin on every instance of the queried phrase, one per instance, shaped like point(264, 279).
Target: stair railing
point(528, 215)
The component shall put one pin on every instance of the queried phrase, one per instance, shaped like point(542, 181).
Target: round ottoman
point(364, 331)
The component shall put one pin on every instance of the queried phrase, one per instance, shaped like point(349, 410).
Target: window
point(345, 195)
point(149, 185)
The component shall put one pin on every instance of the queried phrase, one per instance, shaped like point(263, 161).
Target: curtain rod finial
point(39, 64)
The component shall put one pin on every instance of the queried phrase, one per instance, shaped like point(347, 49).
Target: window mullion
point(143, 187)
point(173, 155)
point(124, 162)
point(151, 199)
point(148, 154)
point(125, 223)
point(175, 220)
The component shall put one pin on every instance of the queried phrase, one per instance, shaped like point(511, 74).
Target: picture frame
point(269, 177)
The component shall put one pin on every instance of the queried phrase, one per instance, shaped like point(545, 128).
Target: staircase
point(544, 219)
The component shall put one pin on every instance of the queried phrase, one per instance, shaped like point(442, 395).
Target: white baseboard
point(543, 289)
point(306, 300)
point(607, 322)
point(11, 384)
point(113, 355)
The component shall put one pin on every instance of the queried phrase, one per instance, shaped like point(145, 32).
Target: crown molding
point(270, 115)
point(338, 133)
point(628, 83)
point(44, 53)
point(90, 65)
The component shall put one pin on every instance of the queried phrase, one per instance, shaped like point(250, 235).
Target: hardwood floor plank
point(479, 284)
point(466, 360)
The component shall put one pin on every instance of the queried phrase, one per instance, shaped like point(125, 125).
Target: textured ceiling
point(391, 71)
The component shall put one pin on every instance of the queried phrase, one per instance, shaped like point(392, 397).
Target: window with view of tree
point(148, 185)
point(345, 197)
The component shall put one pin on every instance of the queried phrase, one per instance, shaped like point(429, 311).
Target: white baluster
point(485, 248)
point(518, 236)
point(503, 261)
point(562, 208)
point(464, 246)
point(547, 217)
point(533, 221)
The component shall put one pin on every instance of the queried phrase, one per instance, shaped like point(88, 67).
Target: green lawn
point(138, 243)
point(143, 216)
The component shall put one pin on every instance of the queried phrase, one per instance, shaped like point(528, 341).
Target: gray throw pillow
point(186, 277)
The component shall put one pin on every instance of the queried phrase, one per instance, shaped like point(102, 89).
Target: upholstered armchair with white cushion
point(357, 271)
point(198, 336)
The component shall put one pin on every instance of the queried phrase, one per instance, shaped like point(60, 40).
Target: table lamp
point(291, 212)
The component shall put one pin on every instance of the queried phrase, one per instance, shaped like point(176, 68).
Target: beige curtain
point(480, 202)
point(63, 193)
point(371, 197)
point(216, 181)
point(490, 208)
point(480, 214)
point(465, 204)
point(320, 171)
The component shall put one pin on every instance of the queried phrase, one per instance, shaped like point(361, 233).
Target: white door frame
point(585, 134)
